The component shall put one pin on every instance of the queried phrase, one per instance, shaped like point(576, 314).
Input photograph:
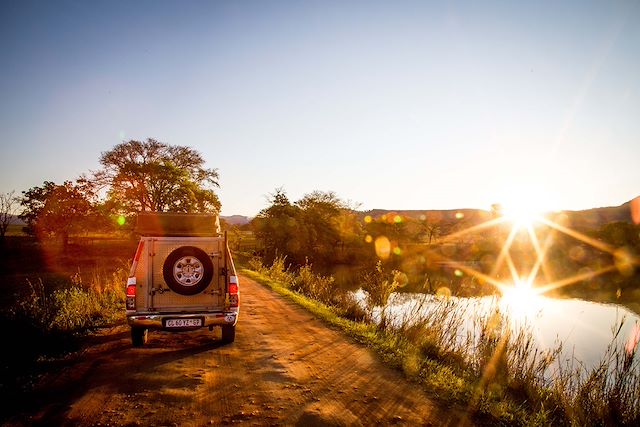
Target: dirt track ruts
point(285, 368)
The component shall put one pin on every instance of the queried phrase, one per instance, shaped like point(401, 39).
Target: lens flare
point(633, 340)
point(521, 214)
point(383, 247)
point(524, 207)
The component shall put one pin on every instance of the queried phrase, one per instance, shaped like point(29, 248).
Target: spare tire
point(187, 270)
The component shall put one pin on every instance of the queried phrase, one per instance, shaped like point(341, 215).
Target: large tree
point(53, 209)
point(154, 176)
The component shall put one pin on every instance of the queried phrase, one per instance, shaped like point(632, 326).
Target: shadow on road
point(109, 363)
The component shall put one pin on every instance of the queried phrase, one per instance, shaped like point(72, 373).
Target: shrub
point(68, 311)
point(279, 271)
point(256, 264)
point(316, 286)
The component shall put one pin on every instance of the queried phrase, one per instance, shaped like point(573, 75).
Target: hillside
point(596, 217)
point(584, 219)
point(14, 220)
point(236, 219)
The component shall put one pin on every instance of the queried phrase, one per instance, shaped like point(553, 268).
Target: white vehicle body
point(182, 277)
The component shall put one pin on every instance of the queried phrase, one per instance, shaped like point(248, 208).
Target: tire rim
point(188, 271)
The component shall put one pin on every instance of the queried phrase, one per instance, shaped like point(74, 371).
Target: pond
point(586, 329)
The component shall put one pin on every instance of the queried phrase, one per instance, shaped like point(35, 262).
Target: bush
point(256, 264)
point(316, 286)
point(380, 285)
point(48, 321)
point(305, 281)
point(279, 271)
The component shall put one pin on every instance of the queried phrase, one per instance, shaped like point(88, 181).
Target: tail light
point(131, 293)
point(234, 296)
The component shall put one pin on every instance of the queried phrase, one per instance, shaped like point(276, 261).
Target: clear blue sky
point(397, 105)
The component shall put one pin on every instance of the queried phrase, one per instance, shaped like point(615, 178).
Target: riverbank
point(500, 378)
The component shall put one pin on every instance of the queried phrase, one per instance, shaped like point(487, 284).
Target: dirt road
point(285, 368)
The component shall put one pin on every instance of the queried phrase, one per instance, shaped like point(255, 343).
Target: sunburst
point(539, 279)
point(521, 292)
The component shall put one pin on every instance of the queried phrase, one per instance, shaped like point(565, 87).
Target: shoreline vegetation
point(498, 376)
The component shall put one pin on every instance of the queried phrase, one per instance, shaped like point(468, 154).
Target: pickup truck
point(182, 277)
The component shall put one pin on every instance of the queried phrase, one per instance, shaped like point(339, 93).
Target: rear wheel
point(228, 333)
point(138, 336)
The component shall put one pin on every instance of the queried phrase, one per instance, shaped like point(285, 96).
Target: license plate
point(183, 323)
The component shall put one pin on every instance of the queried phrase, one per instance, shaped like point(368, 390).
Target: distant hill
point(236, 219)
point(447, 221)
point(442, 217)
point(584, 219)
point(13, 219)
point(596, 217)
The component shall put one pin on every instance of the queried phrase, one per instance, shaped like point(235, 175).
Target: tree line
point(322, 230)
point(328, 232)
point(134, 176)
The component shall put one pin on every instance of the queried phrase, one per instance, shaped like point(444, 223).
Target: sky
point(391, 105)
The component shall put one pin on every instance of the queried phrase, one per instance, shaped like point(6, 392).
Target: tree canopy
point(314, 229)
point(53, 209)
point(154, 176)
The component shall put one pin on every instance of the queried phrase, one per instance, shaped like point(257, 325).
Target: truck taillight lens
point(234, 298)
point(131, 293)
point(131, 290)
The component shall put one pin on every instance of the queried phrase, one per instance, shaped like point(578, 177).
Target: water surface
point(585, 329)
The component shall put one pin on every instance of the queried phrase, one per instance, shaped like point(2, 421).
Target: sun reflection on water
point(521, 301)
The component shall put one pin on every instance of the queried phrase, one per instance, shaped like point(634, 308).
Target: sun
point(523, 209)
point(520, 214)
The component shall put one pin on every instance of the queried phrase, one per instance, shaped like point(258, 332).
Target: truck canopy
point(163, 224)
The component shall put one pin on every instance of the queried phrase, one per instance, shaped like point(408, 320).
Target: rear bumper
point(158, 320)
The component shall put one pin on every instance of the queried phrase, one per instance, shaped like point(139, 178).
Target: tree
point(56, 209)
point(315, 229)
point(154, 176)
point(429, 230)
point(279, 228)
point(319, 213)
point(8, 209)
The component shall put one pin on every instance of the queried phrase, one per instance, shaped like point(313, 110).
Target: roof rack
point(170, 224)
